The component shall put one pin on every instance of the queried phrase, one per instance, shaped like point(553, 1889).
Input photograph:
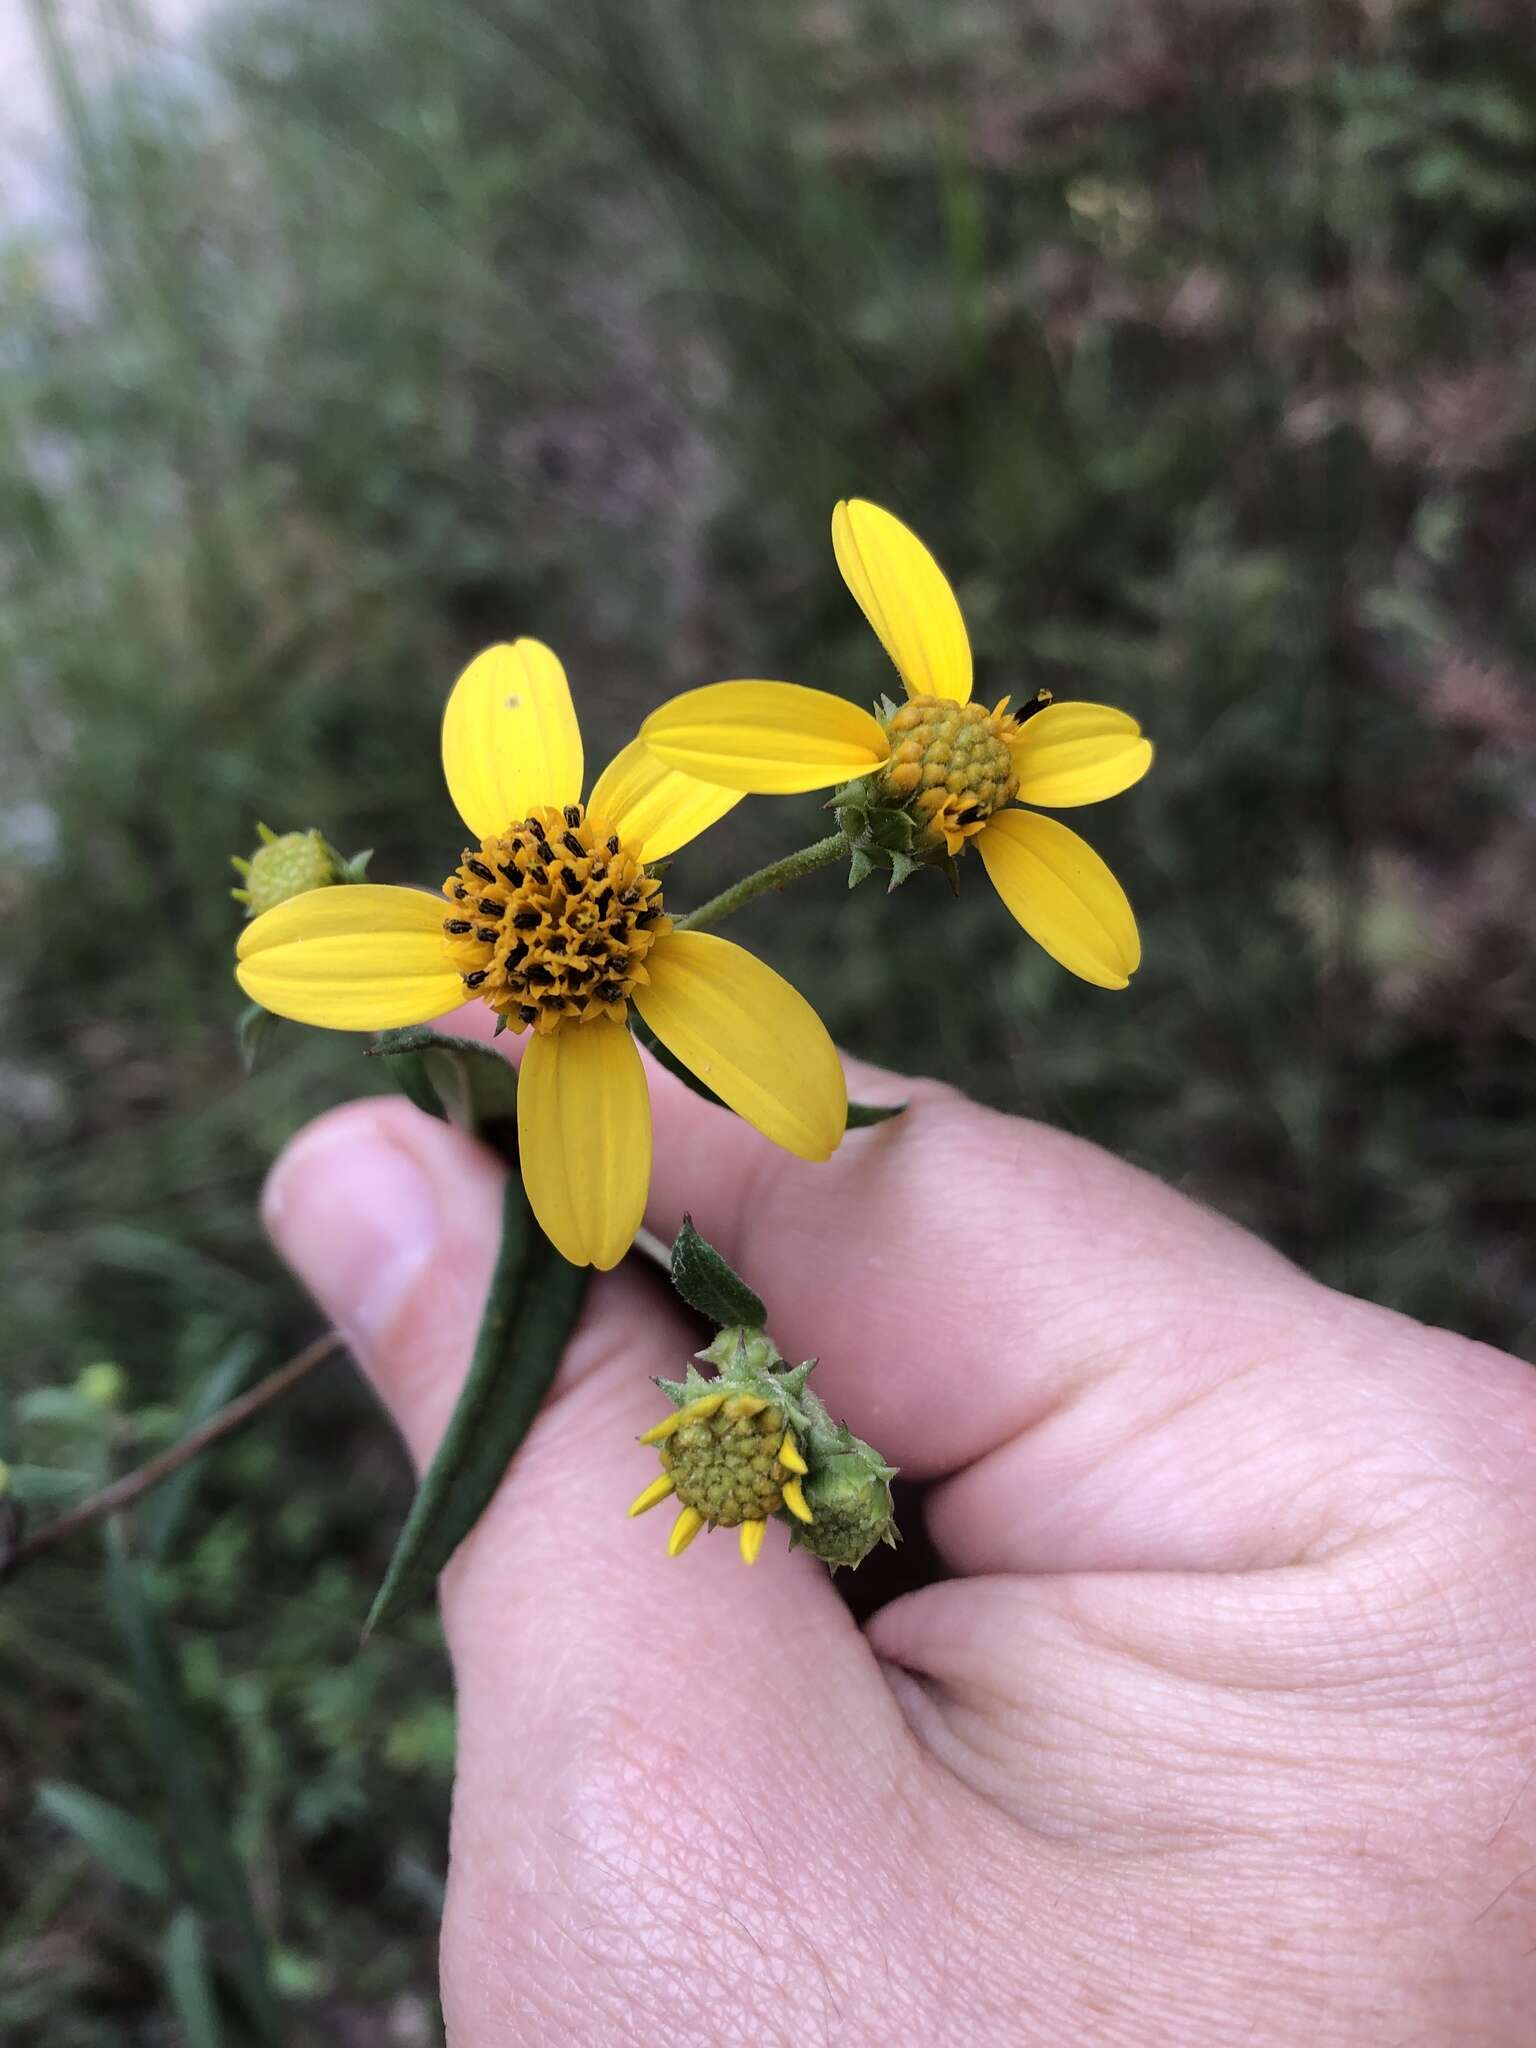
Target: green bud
point(102, 1384)
point(285, 865)
point(849, 1496)
point(5, 1479)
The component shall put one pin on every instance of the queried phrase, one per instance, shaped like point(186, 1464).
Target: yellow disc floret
point(950, 766)
point(550, 923)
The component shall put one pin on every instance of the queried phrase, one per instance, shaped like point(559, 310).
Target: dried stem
point(122, 1493)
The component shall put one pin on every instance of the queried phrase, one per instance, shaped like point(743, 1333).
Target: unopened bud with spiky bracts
point(849, 1495)
point(288, 864)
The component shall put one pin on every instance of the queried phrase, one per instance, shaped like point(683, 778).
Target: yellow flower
point(732, 1461)
point(556, 921)
point(954, 765)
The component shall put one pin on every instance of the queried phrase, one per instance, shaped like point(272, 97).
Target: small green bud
point(102, 1384)
point(849, 1496)
point(5, 1479)
point(285, 865)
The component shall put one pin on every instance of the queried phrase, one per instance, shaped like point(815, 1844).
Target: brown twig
point(122, 1493)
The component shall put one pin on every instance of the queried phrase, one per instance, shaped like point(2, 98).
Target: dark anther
point(604, 898)
point(474, 980)
point(460, 891)
point(647, 918)
point(538, 831)
point(573, 845)
point(968, 814)
point(527, 920)
point(613, 844)
point(511, 873)
point(517, 953)
point(478, 867)
point(598, 871)
point(538, 873)
point(630, 898)
point(540, 977)
point(608, 991)
point(458, 926)
point(529, 1012)
point(571, 880)
point(578, 973)
point(489, 907)
point(487, 934)
point(573, 814)
point(1036, 703)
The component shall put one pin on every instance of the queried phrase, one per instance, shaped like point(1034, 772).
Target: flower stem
point(819, 855)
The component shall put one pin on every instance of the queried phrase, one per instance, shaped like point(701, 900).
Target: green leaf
point(188, 1971)
point(708, 1283)
point(456, 1078)
point(859, 865)
point(46, 1486)
point(165, 1510)
point(902, 866)
point(253, 1031)
point(211, 1871)
point(534, 1300)
point(119, 1841)
point(862, 1114)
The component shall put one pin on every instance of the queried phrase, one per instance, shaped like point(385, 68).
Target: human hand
point(1222, 1731)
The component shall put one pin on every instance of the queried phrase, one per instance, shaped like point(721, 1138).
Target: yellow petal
point(751, 1037)
point(1063, 895)
point(795, 1501)
point(357, 957)
point(751, 1540)
point(510, 737)
point(653, 808)
point(766, 739)
point(905, 596)
point(1078, 754)
point(789, 1456)
point(655, 1493)
point(694, 1412)
point(684, 1529)
point(584, 1137)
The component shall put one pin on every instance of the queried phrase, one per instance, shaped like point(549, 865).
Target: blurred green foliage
point(1196, 340)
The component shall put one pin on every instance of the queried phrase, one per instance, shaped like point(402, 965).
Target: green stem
point(774, 876)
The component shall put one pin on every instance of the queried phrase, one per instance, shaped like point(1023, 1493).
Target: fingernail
point(356, 1217)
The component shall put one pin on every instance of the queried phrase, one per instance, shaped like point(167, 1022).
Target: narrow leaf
point(707, 1282)
point(456, 1078)
point(534, 1300)
point(47, 1486)
point(211, 1870)
point(188, 1973)
point(165, 1510)
point(119, 1841)
point(253, 1031)
point(862, 1114)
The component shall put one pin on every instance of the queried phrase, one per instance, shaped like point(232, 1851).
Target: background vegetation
point(1195, 335)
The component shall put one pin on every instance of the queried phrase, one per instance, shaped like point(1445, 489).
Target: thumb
point(591, 1667)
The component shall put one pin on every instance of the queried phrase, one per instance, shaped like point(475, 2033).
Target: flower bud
point(102, 1384)
point(284, 865)
point(849, 1496)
